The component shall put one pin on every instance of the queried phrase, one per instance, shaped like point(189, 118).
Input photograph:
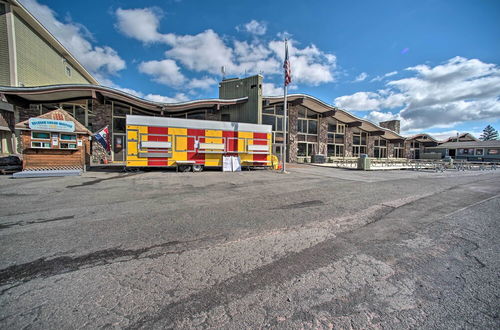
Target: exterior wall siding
point(4, 51)
point(245, 112)
point(39, 64)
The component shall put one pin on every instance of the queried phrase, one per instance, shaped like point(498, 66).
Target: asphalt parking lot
point(315, 248)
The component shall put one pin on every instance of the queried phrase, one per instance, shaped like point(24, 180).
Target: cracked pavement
point(315, 248)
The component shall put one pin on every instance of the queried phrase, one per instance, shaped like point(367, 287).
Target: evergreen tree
point(489, 133)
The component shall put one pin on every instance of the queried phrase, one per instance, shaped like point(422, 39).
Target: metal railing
point(458, 165)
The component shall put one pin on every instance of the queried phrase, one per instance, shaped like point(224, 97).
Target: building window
point(380, 148)
point(40, 135)
point(197, 115)
point(67, 137)
point(274, 116)
point(493, 151)
point(119, 116)
point(78, 111)
point(398, 151)
point(38, 144)
point(466, 151)
point(307, 128)
point(479, 152)
point(336, 138)
point(64, 145)
point(359, 139)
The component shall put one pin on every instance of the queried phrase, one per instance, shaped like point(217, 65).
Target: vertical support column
point(323, 135)
point(348, 141)
point(103, 117)
point(406, 152)
point(293, 114)
point(370, 145)
point(390, 150)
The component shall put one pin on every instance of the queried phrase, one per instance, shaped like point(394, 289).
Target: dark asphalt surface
point(315, 248)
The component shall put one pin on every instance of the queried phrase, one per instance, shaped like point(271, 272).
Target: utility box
point(364, 162)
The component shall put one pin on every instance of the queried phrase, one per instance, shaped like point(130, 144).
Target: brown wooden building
point(54, 140)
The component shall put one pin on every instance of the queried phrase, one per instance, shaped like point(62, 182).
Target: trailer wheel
point(184, 168)
point(197, 168)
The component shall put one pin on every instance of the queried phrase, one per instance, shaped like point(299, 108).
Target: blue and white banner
point(51, 125)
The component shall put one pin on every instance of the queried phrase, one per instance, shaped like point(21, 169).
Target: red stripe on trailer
point(232, 144)
point(193, 134)
point(260, 139)
point(162, 131)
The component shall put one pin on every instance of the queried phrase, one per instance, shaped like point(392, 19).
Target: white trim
point(212, 146)
point(49, 147)
point(196, 124)
point(156, 144)
point(258, 147)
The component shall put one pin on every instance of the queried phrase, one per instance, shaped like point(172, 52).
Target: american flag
point(286, 66)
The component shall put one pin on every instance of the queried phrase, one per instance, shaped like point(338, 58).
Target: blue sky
point(432, 64)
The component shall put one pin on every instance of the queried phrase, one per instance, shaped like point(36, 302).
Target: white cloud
point(361, 77)
point(207, 51)
point(363, 101)
point(141, 24)
point(309, 65)
point(454, 92)
point(165, 72)
point(254, 27)
point(179, 97)
point(203, 83)
point(98, 60)
point(389, 74)
point(270, 89)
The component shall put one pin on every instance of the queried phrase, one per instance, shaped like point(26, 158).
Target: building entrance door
point(119, 147)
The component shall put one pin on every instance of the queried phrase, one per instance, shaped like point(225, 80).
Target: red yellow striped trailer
point(194, 144)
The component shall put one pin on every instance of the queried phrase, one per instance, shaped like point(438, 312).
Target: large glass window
point(359, 139)
point(307, 128)
point(380, 148)
point(335, 147)
point(273, 116)
point(79, 111)
point(398, 151)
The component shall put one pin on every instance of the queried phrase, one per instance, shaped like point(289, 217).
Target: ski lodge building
point(39, 75)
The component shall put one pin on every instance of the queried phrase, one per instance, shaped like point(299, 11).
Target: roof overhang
point(329, 110)
point(66, 93)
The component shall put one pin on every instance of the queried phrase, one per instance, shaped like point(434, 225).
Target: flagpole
point(285, 121)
